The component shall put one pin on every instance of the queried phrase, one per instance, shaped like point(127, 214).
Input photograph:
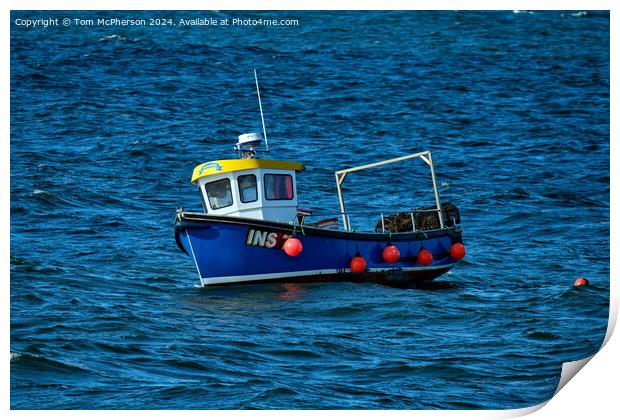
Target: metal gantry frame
point(426, 156)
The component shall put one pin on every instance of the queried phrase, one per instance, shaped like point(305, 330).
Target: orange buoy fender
point(457, 251)
point(391, 254)
point(425, 257)
point(358, 264)
point(292, 247)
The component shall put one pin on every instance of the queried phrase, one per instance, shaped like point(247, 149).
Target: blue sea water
point(107, 123)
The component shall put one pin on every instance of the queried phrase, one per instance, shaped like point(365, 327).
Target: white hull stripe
point(194, 257)
point(253, 277)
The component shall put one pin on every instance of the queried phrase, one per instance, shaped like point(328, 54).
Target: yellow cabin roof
point(216, 167)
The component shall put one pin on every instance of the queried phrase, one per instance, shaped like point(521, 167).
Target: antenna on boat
point(260, 105)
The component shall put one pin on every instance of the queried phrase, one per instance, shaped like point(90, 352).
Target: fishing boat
point(251, 228)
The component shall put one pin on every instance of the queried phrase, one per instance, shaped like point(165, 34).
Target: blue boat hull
point(231, 250)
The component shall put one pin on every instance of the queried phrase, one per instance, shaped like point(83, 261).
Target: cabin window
point(278, 187)
point(247, 188)
point(219, 193)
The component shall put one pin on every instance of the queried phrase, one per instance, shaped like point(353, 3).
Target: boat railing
point(384, 216)
point(425, 156)
point(387, 218)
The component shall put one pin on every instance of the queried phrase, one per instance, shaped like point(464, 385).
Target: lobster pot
point(424, 220)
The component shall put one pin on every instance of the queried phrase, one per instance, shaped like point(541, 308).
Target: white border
point(310, 5)
point(591, 394)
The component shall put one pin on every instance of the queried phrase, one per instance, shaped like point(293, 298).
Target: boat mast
point(260, 105)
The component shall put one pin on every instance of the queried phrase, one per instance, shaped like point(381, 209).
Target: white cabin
point(249, 187)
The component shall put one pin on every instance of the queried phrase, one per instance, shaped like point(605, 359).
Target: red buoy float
point(581, 281)
point(292, 247)
point(358, 264)
point(391, 254)
point(457, 251)
point(425, 257)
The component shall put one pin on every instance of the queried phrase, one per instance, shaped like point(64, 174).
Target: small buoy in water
point(581, 281)
point(457, 251)
point(358, 264)
point(425, 257)
point(292, 247)
point(391, 254)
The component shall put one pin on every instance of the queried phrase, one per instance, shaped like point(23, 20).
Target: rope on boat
point(295, 226)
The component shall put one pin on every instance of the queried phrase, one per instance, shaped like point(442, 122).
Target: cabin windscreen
point(278, 187)
point(219, 193)
point(248, 192)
